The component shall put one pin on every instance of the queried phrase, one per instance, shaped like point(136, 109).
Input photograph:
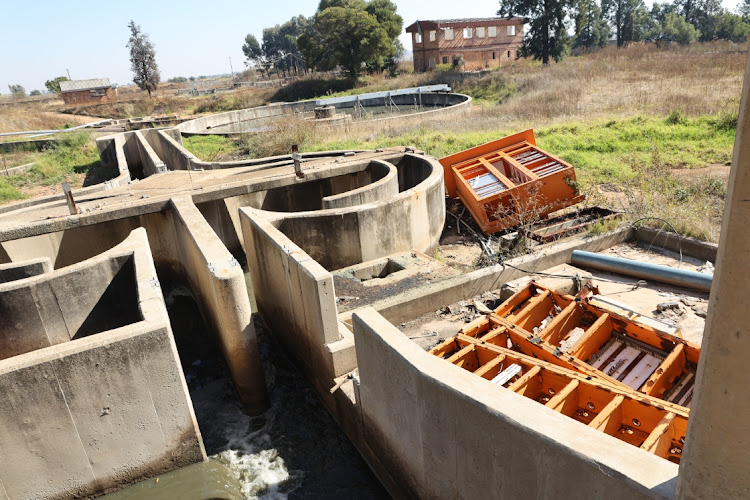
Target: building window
point(492, 31)
point(494, 55)
point(449, 33)
point(480, 32)
point(445, 59)
point(468, 33)
point(432, 63)
point(509, 53)
point(98, 92)
point(417, 37)
point(511, 30)
point(432, 36)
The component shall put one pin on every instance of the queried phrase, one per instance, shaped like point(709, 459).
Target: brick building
point(87, 91)
point(483, 42)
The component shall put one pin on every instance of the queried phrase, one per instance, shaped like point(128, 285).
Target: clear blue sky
point(43, 39)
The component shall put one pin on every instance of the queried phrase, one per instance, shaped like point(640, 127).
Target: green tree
point(280, 45)
point(743, 9)
point(547, 36)
point(17, 90)
point(54, 84)
point(698, 12)
point(254, 54)
point(725, 26)
point(591, 29)
point(670, 27)
point(629, 18)
point(142, 59)
point(35, 92)
point(351, 34)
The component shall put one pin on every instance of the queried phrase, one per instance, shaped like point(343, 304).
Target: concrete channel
point(85, 329)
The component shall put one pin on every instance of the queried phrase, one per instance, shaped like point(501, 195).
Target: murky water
point(293, 450)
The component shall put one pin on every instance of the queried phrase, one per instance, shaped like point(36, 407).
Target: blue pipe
point(655, 272)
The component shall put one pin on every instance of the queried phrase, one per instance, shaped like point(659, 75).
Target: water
point(293, 450)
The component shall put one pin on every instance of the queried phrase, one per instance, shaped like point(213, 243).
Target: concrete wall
point(235, 122)
point(152, 164)
point(443, 432)
point(98, 412)
point(75, 302)
point(339, 238)
point(383, 183)
point(24, 269)
point(220, 282)
point(295, 295)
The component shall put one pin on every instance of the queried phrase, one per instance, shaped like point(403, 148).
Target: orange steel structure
point(509, 181)
point(594, 365)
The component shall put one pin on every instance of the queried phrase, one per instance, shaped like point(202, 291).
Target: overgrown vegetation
point(74, 158)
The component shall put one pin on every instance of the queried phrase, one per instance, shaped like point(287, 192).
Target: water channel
point(293, 450)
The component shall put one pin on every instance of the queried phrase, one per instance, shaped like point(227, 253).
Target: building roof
point(94, 83)
point(459, 23)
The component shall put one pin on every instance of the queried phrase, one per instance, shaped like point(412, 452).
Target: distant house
point(482, 42)
point(87, 91)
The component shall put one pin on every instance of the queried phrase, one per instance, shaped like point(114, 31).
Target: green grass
point(74, 158)
point(8, 192)
point(601, 151)
point(209, 147)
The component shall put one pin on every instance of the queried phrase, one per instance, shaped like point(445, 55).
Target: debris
point(481, 307)
point(706, 268)
point(575, 334)
point(428, 334)
point(667, 305)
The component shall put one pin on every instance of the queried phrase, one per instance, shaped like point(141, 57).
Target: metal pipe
point(655, 272)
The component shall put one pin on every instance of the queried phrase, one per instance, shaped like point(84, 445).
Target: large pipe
point(656, 272)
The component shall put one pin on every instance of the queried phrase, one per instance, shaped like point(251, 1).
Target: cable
point(674, 230)
point(570, 276)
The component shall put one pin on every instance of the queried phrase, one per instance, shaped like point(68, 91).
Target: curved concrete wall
point(241, 121)
point(383, 184)
point(412, 219)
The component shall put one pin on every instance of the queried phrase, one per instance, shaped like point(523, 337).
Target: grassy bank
point(73, 159)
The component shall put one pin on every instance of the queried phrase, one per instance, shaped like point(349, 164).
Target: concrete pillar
point(716, 459)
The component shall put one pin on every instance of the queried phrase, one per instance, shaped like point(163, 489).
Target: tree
point(724, 26)
point(280, 45)
point(35, 92)
point(743, 9)
point(591, 29)
point(629, 18)
point(351, 34)
point(547, 36)
point(17, 90)
point(54, 84)
point(142, 59)
point(670, 27)
point(697, 12)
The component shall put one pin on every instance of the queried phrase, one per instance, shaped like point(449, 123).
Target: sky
point(191, 38)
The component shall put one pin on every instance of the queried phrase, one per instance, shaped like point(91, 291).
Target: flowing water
point(293, 450)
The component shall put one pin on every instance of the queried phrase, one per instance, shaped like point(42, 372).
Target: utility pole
point(69, 78)
point(230, 67)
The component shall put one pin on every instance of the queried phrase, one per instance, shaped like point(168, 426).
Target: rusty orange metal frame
point(509, 181)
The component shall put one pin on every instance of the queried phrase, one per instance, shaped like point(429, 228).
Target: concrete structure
point(427, 428)
point(480, 42)
point(95, 90)
point(427, 100)
point(716, 456)
point(93, 392)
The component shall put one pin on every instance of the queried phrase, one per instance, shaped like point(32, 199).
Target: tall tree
point(548, 33)
point(724, 26)
point(591, 29)
point(352, 34)
point(669, 26)
point(629, 18)
point(743, 9)
point(142, 59)
point(54, 84)
point(254, 54)
point(697, 12)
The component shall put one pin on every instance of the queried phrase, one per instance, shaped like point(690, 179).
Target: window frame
point(482, 32)
point(451, 32)
point(433, 35)
point(510, 30)
point(492, 32)
point(470, 31)
point(417, 37)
